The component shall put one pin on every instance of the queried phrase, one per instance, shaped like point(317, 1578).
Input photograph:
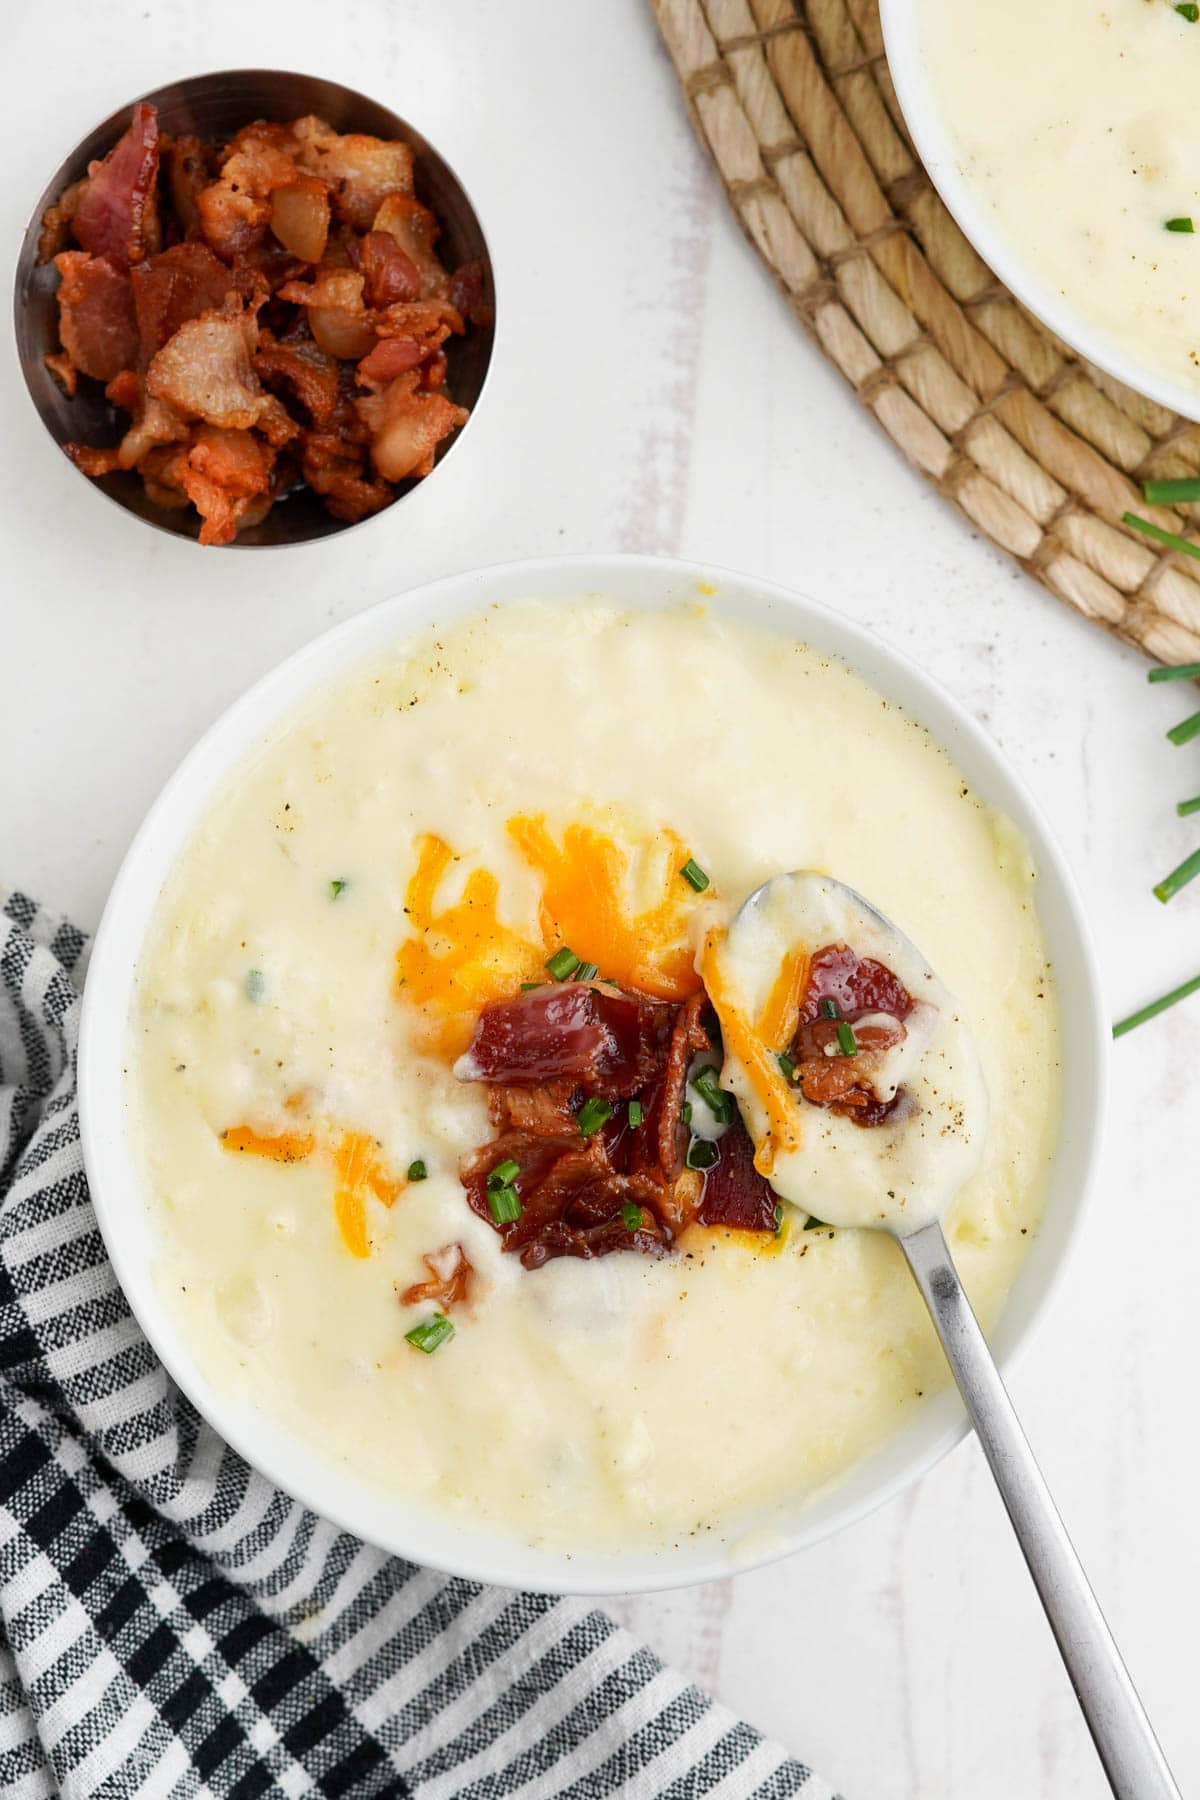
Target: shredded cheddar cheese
point(286, 1147)
point(762, 1069)
point(358, 1169)
point(777, 1025)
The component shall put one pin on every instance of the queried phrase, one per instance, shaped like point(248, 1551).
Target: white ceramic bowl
point(121, 1202)
point(918, 97)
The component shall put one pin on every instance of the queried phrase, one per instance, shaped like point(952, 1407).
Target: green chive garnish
point(1176, 672)
point(814, 1224)
point(778, 1218)
point(1171, 538)
point(1184, 807)
point(1187, 9)
point(847, 1042)
point(1157, 1006)
point(587, 972)
point(1170, 885)
point(1171, 493)
point(685, 1112)
point(1186, 730)
point(417, 1170)
point(787, 1065)
point(719, 1103)
point(829, 1009)
point(635, 1114)
point(527, 987)
point(564, 962)
point(256, 986)
point(701, 1154)
point(337, 887)
point(694, 875)
point(1183, 223)
point(504, 1173)
point(632, 1216)
point(430, 1333)
point(504, 1204)
point(592, 1115)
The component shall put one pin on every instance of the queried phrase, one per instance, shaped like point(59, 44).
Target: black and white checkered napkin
point(172, 1625)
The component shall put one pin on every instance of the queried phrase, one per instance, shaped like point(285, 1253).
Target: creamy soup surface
point(403, 849)
point(1076, 123)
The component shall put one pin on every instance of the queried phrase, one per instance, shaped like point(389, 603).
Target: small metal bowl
point(214, 107)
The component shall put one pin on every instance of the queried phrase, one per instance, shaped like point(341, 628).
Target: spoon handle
point(1129, 1750)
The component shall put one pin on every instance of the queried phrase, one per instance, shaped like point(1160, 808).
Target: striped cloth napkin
point(172, 1625)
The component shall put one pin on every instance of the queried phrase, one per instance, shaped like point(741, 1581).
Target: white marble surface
point(651, 392)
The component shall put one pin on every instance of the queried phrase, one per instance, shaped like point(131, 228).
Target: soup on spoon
point(862, 1090)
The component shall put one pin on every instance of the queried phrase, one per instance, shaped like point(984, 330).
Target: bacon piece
point(468, 294)
point(300, 217)
point(416, 231)
point(154, 422)
point(235, 210)
point(337, 317)
point(545, 1111)
point(61, 366)
point(189, 166)
point(117, 214)
point(450, 1279)
point(663, 1136)
point(176, 285)
point(863, 990)
point(205, 371)
point(95, 314)
point(227, 477)
point(610, 1042)
point(406, 426)
point(361, 170)
point(58, 219)
point(389, 358)
point(303, 371)
point(388, 271)
point(735, 1194)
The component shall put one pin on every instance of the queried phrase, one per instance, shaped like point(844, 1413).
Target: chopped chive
point(847, 1042)
point(1184, 807)
point(631, 1216)
point(685, 1112)
point(337, 887)
point(504, 1204)
point(527, 987)
point(417, 1170)
point(1187, 9)
point(430, 1333)
point(779, 1218)
point(256, 987)
point(635, 1114)
point(587, 972)
point(718, 1102)
point(504, 1173)
point(1171, 538)
point(694, 875)
point(1183, 223)
point(564, 962)
point(1170, 884)
point(1175, 672)
point(701, 1154)
point(829, 1009)
point(1186, 730)
point(1157, 1006)
point(787, 1065)
point(592, 1115)
point(1171, 493)
point(812, 1223)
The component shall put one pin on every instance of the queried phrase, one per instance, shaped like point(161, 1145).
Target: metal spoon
point(1130, 1752)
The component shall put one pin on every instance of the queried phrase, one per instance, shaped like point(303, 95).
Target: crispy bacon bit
point(95, 314)
point(176, 285)
point(450, 1278)
point(468, 293)
point(609, 1042)
point(407, 424)
point(361, 170)
point(117, 213)
point(735, 1194)
point(280, 221)
point(862, 990)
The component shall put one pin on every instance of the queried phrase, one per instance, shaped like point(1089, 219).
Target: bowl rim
point(119, 1195)
point(31, 232)
point(917, 95)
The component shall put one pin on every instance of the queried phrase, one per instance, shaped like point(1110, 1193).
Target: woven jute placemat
point(1042, 451)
